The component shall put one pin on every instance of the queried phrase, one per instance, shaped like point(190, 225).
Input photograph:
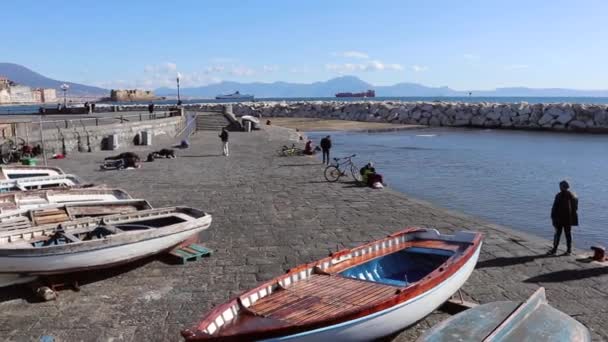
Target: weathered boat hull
point(507, 321)
point(20, 171)
point(18, 255)
point(391, 320)
point(36, 183)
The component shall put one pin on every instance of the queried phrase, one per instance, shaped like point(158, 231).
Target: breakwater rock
point(547, 116)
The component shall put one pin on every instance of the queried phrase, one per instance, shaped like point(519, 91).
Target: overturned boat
point(57, 213)
point(21, 171)
point(42, 182)
point(358, 294)
point(92, 243)
point(12, 201)
point(507, 321)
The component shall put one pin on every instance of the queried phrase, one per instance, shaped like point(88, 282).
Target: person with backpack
point(564, 215)
point(224, 137)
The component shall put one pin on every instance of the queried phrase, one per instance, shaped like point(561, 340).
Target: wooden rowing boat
point(9, 202)
point(58, 212)
point(100, 242)
point(21, 171)
point(507, 321)
point(38, 183)
point(358, 294)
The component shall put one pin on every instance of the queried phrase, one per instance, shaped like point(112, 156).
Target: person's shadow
point(510, 261)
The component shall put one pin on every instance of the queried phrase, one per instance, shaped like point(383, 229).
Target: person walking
point(326, 146)
point(224, 137)
point(564, 216)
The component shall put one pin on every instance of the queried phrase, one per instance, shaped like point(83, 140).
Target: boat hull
point(393, 319)
point(67, 262)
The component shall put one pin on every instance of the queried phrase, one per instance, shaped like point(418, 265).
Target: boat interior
point(68, 212)
point(348, 282)
point(34, 199)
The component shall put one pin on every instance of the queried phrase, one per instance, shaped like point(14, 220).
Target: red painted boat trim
point(451, 266)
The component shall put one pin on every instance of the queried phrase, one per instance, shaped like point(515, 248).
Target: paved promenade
point(270, 214)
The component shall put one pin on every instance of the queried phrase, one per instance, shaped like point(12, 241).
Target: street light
point(179, 101)
point(65, 88)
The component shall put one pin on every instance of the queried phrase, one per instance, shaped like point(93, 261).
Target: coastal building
point(10, 92)
point(125, 95)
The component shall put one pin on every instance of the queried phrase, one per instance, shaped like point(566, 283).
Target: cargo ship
point(369, 93)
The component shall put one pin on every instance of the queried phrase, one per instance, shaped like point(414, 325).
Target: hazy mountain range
point(354, 84)
point(25, 76)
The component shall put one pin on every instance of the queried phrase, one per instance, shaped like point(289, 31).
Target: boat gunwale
point(402, 294)
point(4, 176)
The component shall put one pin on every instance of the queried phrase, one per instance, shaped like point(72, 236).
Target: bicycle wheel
point(354, 171)
point(332, 173)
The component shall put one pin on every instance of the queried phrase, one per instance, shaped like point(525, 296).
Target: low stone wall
point(96, 138)
point(557, 117)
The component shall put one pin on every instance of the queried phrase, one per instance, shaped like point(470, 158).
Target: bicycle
point(342, 165)
point(290, 151)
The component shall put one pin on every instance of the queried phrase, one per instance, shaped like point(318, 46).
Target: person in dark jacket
point(224, 137)
point(326, 146)
point(564, 215)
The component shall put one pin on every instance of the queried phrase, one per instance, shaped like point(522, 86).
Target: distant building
point(126, 95)
point(10, 92)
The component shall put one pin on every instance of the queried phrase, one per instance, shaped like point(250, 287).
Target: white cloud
point(163, 67)
point(516, 66)
point(374, 65)
point(352, 54)
point(242, 71)
point(214, 69)
point(270, 68)
point(419, 68)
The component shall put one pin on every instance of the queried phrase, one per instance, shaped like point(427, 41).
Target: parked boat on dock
point(38, 183)
point(100, 242)
point(10, 202)
point(507, 321)
point(21, 171)
point(358, 294)
point(57, 213)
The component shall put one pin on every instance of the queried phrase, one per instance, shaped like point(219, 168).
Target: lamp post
point(179, 101)
point(65, 88)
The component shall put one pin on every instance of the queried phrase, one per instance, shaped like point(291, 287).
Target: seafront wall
point(554, 116)
point(97, 138)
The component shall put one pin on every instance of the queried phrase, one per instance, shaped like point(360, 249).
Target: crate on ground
point(191, 252)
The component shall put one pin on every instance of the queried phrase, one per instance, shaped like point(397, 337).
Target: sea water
point(505, 177)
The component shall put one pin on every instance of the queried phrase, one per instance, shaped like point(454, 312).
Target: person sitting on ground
point(308, 149)
point(163, 153)
point(127, 160)
point(369, 175)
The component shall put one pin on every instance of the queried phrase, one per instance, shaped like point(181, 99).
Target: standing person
point(93, 107)
point(564, 215)
point(151, 108)
point(326, 146)
point(224, 137)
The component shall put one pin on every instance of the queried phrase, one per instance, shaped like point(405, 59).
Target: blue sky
point(462, 44)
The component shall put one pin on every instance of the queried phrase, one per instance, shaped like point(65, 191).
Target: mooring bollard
point(67, 124)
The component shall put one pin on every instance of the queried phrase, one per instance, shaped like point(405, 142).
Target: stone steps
point(211, 122)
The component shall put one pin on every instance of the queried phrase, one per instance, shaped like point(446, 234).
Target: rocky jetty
point(541, 116)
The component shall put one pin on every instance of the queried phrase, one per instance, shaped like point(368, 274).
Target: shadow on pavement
point(566, 275)
point(510, 261)
point(201, 156)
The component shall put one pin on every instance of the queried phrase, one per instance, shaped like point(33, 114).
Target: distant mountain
point(353, 84)
point(24, 76)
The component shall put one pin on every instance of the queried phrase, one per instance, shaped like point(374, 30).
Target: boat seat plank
point(318, 297)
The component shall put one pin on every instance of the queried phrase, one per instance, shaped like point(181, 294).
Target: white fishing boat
point(235, 96)
point(358, 294)
point(21, 171)
point(42, 182)
point(100, 242)
point(12, 201)
point(57, 212)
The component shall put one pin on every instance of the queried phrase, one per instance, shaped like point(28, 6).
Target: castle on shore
point(11, 92)
point(127, 95)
